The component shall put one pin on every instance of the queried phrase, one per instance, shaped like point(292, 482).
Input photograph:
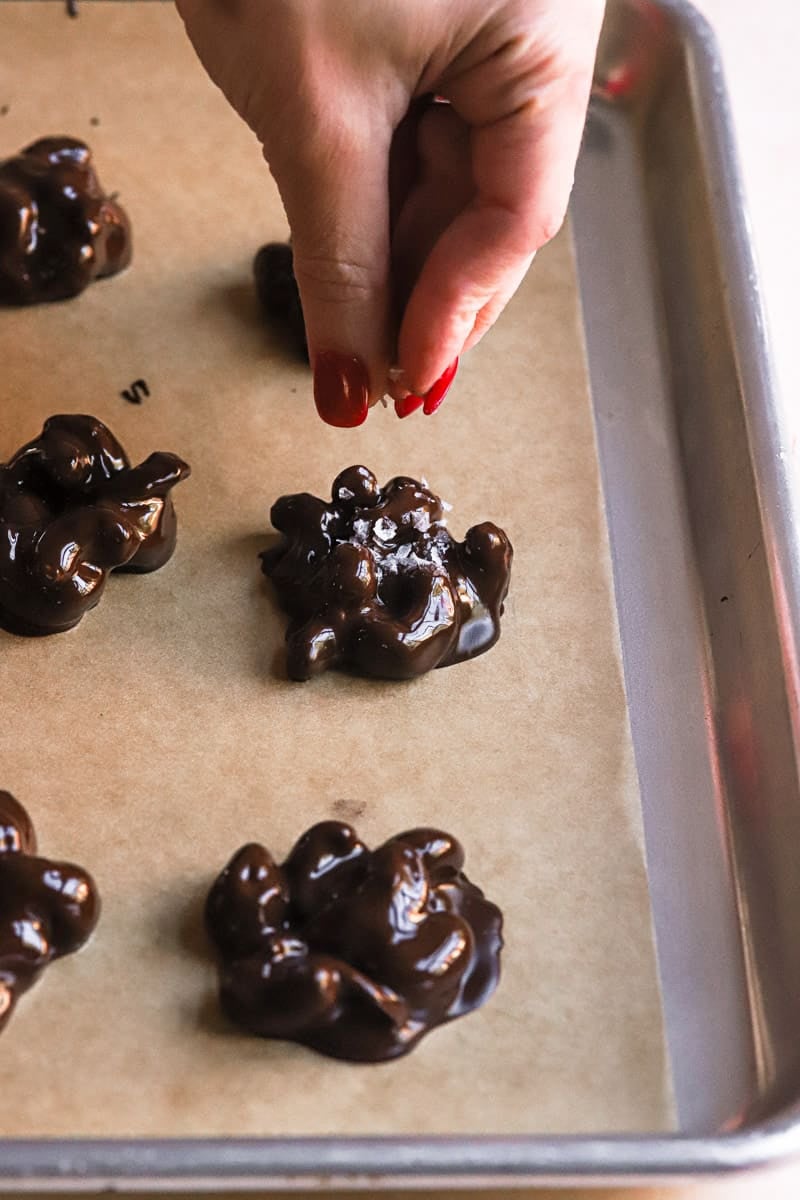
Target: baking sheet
point(158, 736)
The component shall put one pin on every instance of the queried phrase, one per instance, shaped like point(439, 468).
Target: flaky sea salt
point(361, 530)
point(384, 529)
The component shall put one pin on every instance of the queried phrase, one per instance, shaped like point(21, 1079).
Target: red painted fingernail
point(341, 389)
point(435, 395)
point(408, 405)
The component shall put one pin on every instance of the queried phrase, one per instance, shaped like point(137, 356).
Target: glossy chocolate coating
point(58, 230)
point(278, 294)
point(47, 909)
point(72, 509)
point(373, 580)
point(353, 952)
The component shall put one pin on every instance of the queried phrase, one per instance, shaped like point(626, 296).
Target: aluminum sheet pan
point(707, 577)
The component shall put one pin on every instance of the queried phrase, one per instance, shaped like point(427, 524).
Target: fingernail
point(435, 395)
point(341, 389)
point(432, 398)
point(408, 405)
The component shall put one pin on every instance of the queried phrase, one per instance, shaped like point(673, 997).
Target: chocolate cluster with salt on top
point(47, 909)
point(373, 580)
point(72, 509)
point(356, 953)
point(59, 231)
point(279, 295)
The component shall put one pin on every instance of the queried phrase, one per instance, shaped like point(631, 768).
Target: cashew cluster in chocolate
point(58, 229)
point(278, 293)
point(72, 509)
point(355, 953)
point(373, 580)
point(47, 909)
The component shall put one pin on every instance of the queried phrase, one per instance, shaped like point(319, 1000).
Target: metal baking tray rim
point(256, 1163)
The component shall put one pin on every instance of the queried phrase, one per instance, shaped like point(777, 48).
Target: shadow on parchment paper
point(250, 545)
point(238, 300)
point(188, 927)
point(260, 621)
point(183, 924)
point(269, 339)
point(271, 660)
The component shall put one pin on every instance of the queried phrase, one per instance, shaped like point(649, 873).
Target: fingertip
point(341, 389)
point(408, 404)
point(431, 400)
point(436, 394)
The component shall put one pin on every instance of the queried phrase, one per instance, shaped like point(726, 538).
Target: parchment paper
point(154, 739)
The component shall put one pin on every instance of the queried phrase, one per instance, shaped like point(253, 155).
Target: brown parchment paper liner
point(155, 738)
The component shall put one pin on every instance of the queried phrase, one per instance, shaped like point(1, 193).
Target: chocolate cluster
point(355, 953)
point(373, 580)
point(278, 294)
point(58, 229)
point(47, 909)
point(72, 508)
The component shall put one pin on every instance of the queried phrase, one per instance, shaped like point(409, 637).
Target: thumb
point(334, 187)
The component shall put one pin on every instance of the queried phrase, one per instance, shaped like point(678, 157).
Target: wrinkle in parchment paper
point(158, 736)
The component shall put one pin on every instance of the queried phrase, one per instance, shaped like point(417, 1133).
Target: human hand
point(413, 222)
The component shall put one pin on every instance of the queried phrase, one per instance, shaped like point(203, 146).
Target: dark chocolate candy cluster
point(353, 952)
point(373, 580)
point(72, 509)
point(47, 909)
point(278, 294)
point(58, 229)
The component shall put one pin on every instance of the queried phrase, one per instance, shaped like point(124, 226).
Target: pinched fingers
point(524, 134)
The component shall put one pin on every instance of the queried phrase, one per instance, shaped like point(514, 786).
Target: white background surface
point(760, 42)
